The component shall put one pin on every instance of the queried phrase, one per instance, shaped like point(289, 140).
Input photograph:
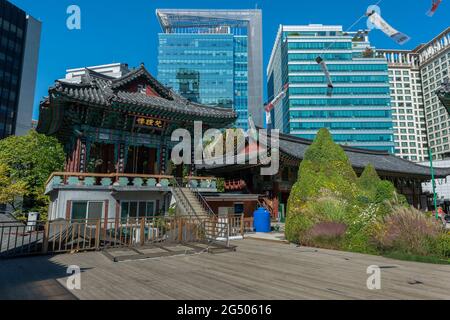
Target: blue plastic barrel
point(262, 220)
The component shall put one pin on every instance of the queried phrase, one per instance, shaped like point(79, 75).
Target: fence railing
point(106, 180)
point(124, 179)
point(62, 236)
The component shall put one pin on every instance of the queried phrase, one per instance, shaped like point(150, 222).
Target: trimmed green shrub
point(384, 191)
point(330, 207)
point(369, 179)
point(324, 167)
point(296, 227)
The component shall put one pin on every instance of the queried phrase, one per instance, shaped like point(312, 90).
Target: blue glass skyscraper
point(358, 112)
point(214, 57)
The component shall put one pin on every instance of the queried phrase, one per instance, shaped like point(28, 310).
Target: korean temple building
point(116, 129)
point(405, 175)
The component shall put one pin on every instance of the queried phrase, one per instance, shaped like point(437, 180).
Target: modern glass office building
point(19, 50)
point(214, 57)
point(358, 112)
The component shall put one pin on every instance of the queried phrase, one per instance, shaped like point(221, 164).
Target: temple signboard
point(149, 123)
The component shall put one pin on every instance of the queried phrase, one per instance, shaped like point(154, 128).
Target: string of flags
point(434, 6)
point(327, 74)
point(271, 105)
point(252, 131)
point(376, 20)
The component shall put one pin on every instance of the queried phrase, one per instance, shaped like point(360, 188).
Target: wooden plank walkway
point(258, 270)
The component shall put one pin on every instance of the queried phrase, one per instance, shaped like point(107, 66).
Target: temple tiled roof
point(176, 105)
point(105, 91)
point(383, 162)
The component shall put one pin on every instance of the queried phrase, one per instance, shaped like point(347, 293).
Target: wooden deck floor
point(258, 270)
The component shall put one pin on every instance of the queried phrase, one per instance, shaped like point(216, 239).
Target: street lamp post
point(430, 155)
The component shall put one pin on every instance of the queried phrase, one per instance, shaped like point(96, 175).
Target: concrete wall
point(58, 208)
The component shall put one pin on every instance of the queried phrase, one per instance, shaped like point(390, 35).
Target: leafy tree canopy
point(10, 190)
point(31, 159)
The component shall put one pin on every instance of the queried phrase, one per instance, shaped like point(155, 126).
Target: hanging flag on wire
point(252, 131)
point(376, 20)
point(434, 6)
point(325, 70)
point(271, 105)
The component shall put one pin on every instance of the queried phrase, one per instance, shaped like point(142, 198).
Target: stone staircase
point(190, 205)
point(195, 204)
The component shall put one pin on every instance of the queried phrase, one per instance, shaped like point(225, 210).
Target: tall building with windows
point(214, 57)
point(19, 52)
point(408, 110)
point(434, 61)
point(358, 112)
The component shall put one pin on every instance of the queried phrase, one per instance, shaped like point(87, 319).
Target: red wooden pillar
point(276, 200)
point(83, 156)
point(73, 161)
point(162, 159)
point(120, 165)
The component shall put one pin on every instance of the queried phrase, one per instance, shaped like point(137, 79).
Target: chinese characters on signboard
point(149, 123)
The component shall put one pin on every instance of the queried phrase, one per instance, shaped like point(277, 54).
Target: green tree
point(10, 190)
point(31, 159)
point(325, 169)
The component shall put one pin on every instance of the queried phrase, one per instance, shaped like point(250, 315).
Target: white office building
point(434, 60)
point(408, 111)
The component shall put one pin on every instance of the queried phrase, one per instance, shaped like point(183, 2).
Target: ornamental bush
point(330, 207)
point(325, 170)
point(325, 167)
point(409, 231)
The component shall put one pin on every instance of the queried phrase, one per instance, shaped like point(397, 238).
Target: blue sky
point(126, 31)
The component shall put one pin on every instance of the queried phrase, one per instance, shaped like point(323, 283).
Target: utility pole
point(430, 155)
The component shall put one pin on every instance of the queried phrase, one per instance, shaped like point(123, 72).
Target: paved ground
point(258, 270)
point(272, 236)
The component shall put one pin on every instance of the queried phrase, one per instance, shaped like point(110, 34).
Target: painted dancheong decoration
point(375, 20)
point(327, 74)
point(434, 6)
point(271, 105)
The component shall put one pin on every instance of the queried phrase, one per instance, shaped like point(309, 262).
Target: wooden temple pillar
point(276, 199)
point(121, 156)
point(77, 159)
point(83, 156)
point(163, 159)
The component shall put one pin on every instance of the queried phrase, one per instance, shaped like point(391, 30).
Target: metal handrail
point(203, 201)
point(176, 186)
point(225, 226)
point(106, 175)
